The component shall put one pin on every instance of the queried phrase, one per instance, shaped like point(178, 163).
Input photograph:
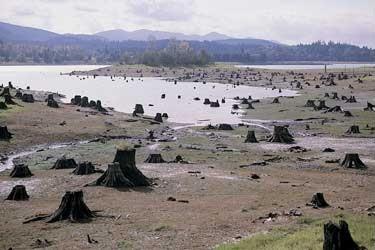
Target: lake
point(123, 96)
point(348, 66)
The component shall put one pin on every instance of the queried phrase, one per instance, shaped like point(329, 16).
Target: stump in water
point(281, 134)
point(318, 201)
point(18, 193)
point(5, 91)
point(99, 107)
point(206, 101)
point(84, 168)
point(113, 177)
point(154, 158)
point(158, 117)
point(29, 98)
point(276, 100)
point(338, 237)
point(224, 126)
point(353, 130)
point(4, 133)
point(84, 102)
point(250, 138)
point(9, 100)
point(76, 100)
point(310, 104)
point(72, 208)
point(64, 163)
point(322, 105)
point(348, 113)
point(139, 109)
point(126, 158)
point(353, 161)
point(3, 105)
point(20, 171)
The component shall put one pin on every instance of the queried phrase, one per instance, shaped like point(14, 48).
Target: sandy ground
point(224, 202)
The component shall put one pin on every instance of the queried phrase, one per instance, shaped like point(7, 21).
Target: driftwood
point(4, 133)
point(335, 109)
point(64, 163)
point(281, 135)
point(250, 138)
point(353, 161)
point(154, 158)
point(338, 237)
point(18, 193)
point(20, 171)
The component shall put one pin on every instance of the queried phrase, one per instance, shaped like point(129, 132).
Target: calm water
point(123, 96)
point(348, 66)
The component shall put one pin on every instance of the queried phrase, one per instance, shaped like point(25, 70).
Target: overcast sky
point(287, 21)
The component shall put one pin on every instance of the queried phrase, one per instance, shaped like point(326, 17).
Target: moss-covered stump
point(18, 193)
point(20, 171)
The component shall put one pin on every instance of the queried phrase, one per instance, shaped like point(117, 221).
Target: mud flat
point(223, 190)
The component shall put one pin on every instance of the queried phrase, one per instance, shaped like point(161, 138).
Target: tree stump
point(139, 109)
point(76, 100)
point(326, 94)
point(52, 103)
point(99, 107)
point(250, 106)
point(154, 158)
point(84, 102)
point(29, 98)
point(164, 115)
point(215, 104)
point(353, 161)
point(3, 105)
point(4, 133)
point(222, 100)
point(318, 201)
point(310, 104)
point(158, 117)
point(126, 158)
point(206, 101)
point(92, 104)
point(338, 237)
point(370, 107)
point(84, 168)
point(225, 126)
point(5, 91)
point(72, 208)
point(281, 135)
point(335, 109)
point(64, 163)
point(348, 113)
point(18, 94)
point(162, 96)
point(250, 138)
point(18, 193)
point(322, 105)
point(9, 100)
point(335, 96)
point(244, 101)
point(20, 171)
point(351, 99)
point(276, 100)
point(353, 130)
point(113, 177)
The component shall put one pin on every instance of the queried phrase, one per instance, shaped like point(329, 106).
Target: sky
point(286, 21)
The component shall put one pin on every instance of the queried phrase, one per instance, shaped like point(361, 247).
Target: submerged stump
point(250, 138)
point(154, 158)
point(18, 193)
point(281, 135)
point(353, 161)
point(338, 237)
point(20, 171)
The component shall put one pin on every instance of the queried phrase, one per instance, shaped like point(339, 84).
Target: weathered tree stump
point(9, 100)
point(215, 104)
point(222, 100)
point(126, 158)
point(139, 109)
point(353, 161)
point(250, 106)
point(162, 96)
point(99, 107)
point(207, 101)
point(318, 201)
point(276, 100)
point(235, 106)
point(164, 115)
point(20, 171)
point(5, 91)
point(353, 130)
point(18, 193)
point(64, 163)
point(84, 102)
point(281, 135)
point(76, 100)
point(4, 133)
point(351, 99)
point(348, 113)
point(84, 168)
point(18, 94)
point(370, 107)
point(51, 102)
point(250, 138)
point(326, 94)
point(29, 98)
point(335, 96)
point(72, 208)
point(158, 117)
point(225, 126)
point(154, 158)
point(244, 101)
point(92, 104)
point(113, 177)
point(338, 237)
point(310, 104)
point(3, 105)
point(322, 105)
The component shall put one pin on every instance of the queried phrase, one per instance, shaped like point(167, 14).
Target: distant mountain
point(248, 42)
point(145, 35)
point(10, 32)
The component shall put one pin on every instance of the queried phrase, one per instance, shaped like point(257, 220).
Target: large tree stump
point(113, 177)
point(4, 133)
point(9, 100)
point(281, 135)
point(348, 113)
point(353, 161)
point(126, 158)
point(318, 201)
point(72, 208)
point(20, 171)
point(207, 101)
point(158, 117)
point(250, 106)
point(338, 237)
point(18, 94)
point(84, 102)
point(139, 109)
point(76, 100)
point(18, 193)
point(52, 102)
point(335, 96)
point(99, 106)
point(29, 98)
point(64, 163)
point(3, 105)
point(225, 126)
point(250, 138)
point(84, 168)
point(154, 158)
point(353, 130)
point(215, 104)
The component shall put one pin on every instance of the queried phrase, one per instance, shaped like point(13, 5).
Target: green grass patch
point(307, 234)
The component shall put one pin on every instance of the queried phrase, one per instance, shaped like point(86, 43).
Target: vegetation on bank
point(309, 235)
